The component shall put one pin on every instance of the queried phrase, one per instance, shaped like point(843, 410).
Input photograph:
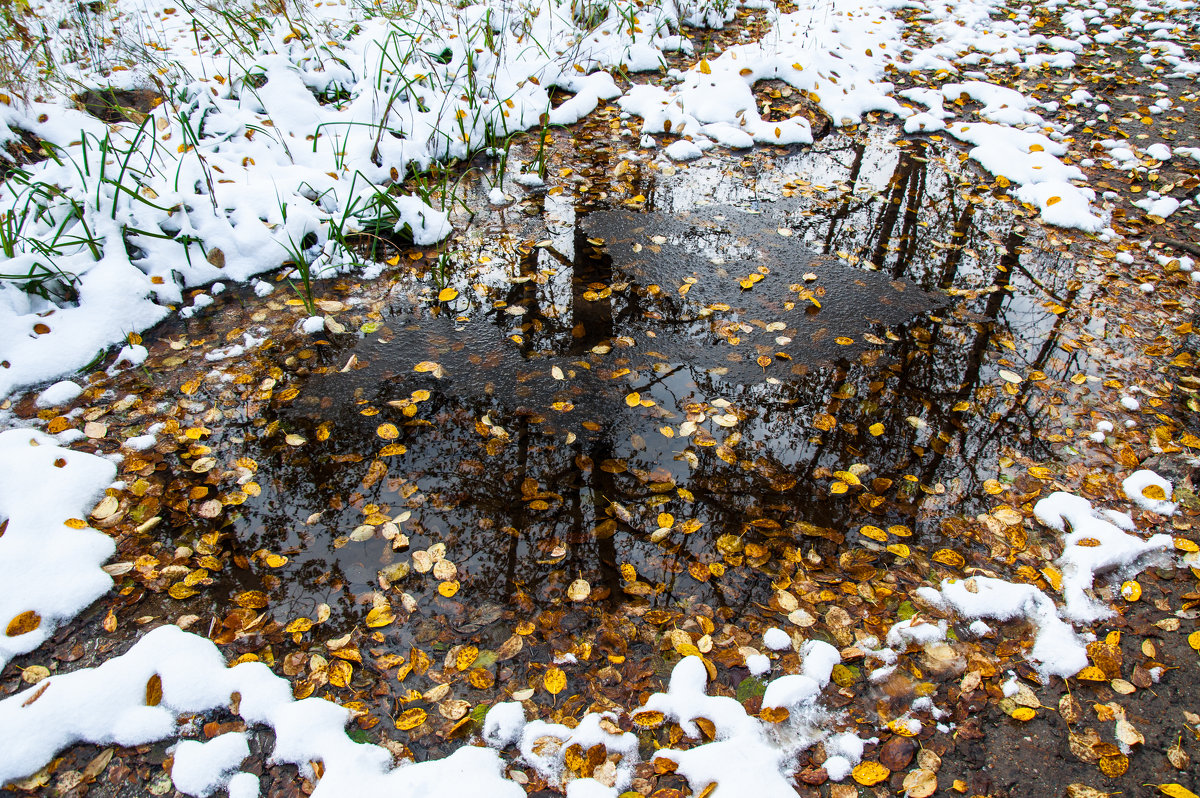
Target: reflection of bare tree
point(523, 508)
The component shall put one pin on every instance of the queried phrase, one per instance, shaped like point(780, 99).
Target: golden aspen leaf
point(299, 625)
point(340, 673)
point(774, 714)
point(76, 523)
point(275, 560)
point(900, 531)
point(704, 68)
point(251, 599)
point(554, 681)
point(1183, 544)
point(1024, 713)
point(869, 774)
point(1091, 674)
point(948, 557)
point(1176, 791)
point(1131, 590)
point(154, 693)
point(1155, 492)
point(745, 72)
point(1194, 640)
point(649, 720)
point(411, 718)
point(447, 294)
point(380, 616)
point(1114, 765)
point(874, 533)
point(876, 429)
point(525, 628)
point(763, 361)
point(666, 520)
point(1053, 200)
point(387, 431)
point(449, 588)
point(633, 399)
point(900, 550)
point(466, 657)
point(181, 590)
point(842, 340)
point(839, 488)
point(481, 678)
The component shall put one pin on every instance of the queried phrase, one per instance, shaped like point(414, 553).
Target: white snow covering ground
point(282, 137)
point(118, 703)
point(50, 559)
point(1094, 542)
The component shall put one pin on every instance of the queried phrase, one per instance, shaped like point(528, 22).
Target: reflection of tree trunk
point(972, 376)
point(848, 197)
point(593, 319)
point(958, 242)
point(602, 489)
point(891, 212)
point(520, 518)
point(912, 209)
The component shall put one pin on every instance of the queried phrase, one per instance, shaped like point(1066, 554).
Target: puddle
point(677, 400)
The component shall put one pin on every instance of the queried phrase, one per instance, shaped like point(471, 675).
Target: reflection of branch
point(1016, 264)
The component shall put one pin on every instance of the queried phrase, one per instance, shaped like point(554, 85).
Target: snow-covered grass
point(318, 135)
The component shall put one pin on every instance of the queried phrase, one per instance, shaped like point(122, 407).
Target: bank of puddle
point(675, 396)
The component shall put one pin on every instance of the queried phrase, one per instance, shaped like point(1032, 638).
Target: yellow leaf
point(1176, 791)
point(633, 399)
point(649, 720)
point(340, 673)
point(899, 549)
point(704, 67)
point(23, 623)
point(410, 719)
point(1024, 713)
point(79, 523)
point(154, 692)
point(666, 520)
point(1053, 201)
point(380, 616)
point(1155, 492)
point(554, 681)
point(448, 589)
point(299, 625)
point(1194, 640)
point(948, 557)
point(387, 431)
point(1131, 590)
point(874, 533)
point(466, 657)
point(447, 294)
point(869, 774)
point(876, 429)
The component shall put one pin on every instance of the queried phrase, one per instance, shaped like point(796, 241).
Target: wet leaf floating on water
point(554, 681)
point(579, 590)
point(380, 616)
